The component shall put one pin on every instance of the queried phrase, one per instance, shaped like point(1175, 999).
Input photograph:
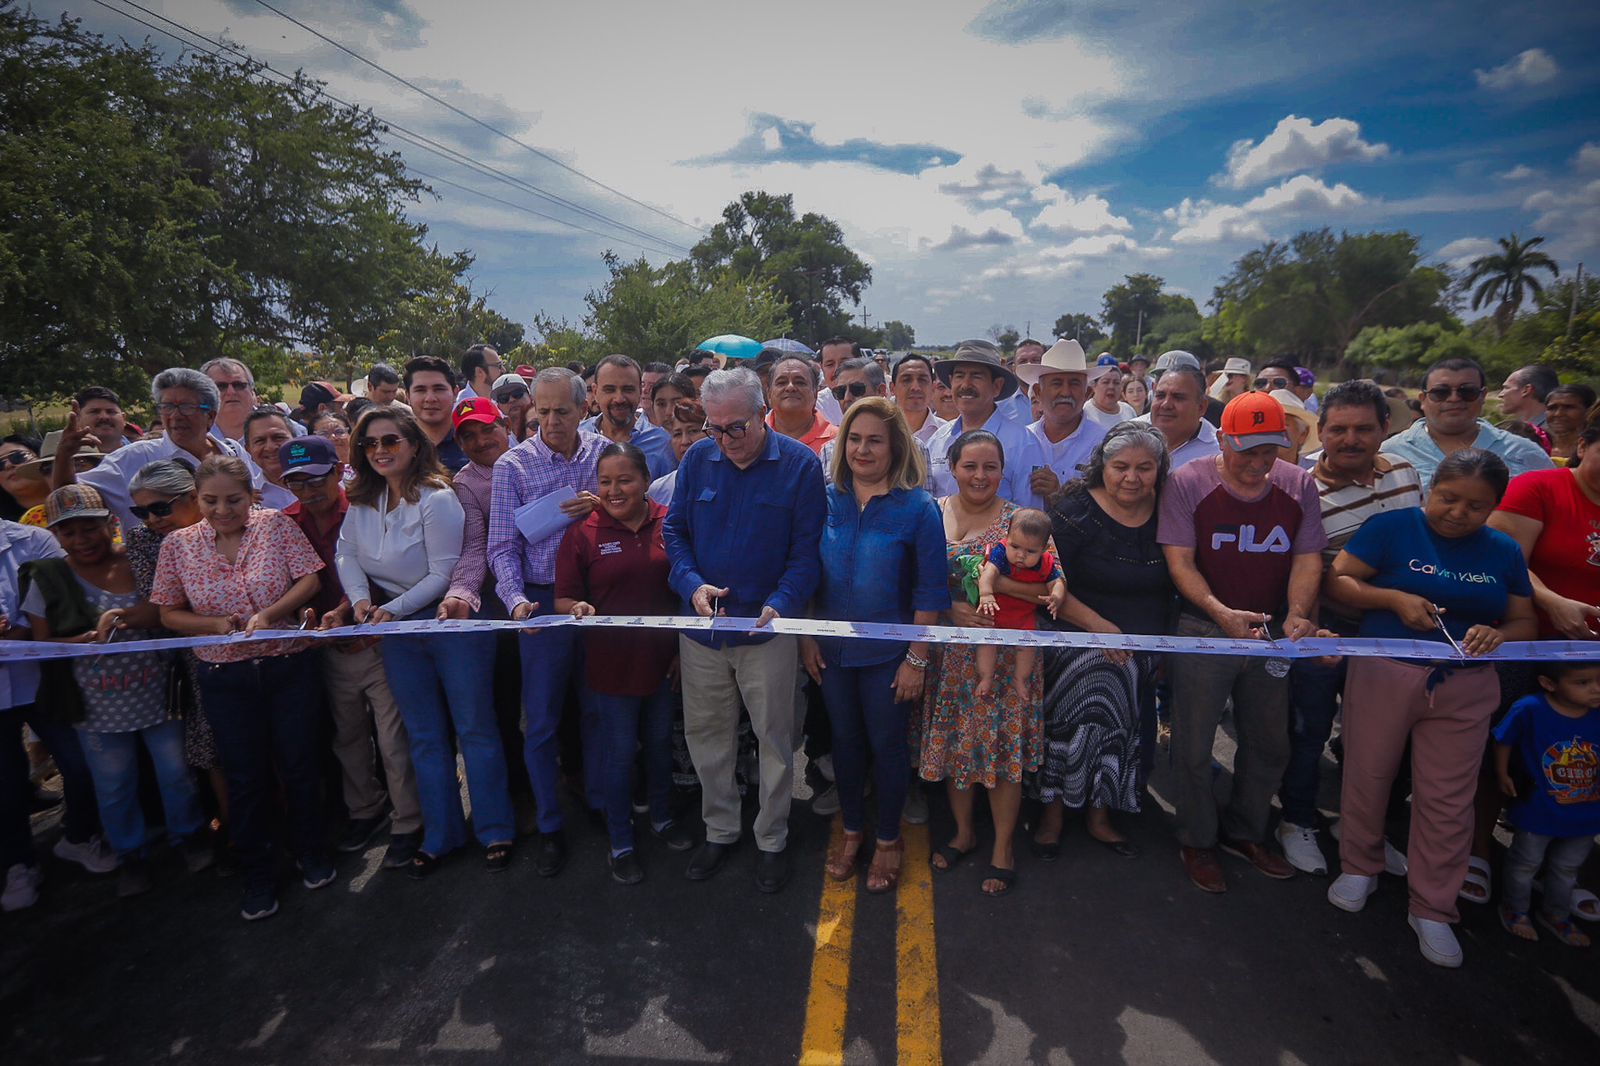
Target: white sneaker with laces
point(1437, 941)
point(824, 764)
point(1300, 848)
point(826, 802)
point(93, 854)
point(1394, 861)
point(22, 887)
point(1349, 892)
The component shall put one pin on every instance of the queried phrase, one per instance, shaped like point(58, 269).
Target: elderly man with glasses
point(743, 537)
point(1453, 392)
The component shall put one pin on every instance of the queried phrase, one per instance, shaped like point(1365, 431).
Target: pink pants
point(1386, 702)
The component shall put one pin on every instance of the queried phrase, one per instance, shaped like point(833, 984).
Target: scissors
point(1438, 621)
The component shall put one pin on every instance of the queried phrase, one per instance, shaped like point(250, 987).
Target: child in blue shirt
point(1547, 756)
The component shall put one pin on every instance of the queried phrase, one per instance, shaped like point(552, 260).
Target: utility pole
point(865, 318)
point(1572, 312)
point(1027, 328)
point(1138, 334)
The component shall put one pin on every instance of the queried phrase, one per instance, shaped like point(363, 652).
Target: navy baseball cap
point(312, 456)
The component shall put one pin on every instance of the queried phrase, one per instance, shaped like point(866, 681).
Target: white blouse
point(410, 550)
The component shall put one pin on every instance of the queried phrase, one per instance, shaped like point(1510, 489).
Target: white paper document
point(538, 519)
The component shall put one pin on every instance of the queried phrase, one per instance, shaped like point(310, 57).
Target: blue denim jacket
point(881, 563)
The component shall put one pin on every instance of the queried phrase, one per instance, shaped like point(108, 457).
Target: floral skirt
point(970, 740)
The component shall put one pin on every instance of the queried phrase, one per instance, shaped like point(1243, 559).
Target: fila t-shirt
point(1560, 761)
point(1243, 548)
point(1470, 577)
point(1567, 554)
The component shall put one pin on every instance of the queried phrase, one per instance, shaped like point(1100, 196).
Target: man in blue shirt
point(618, 384)
point(1453, 392)
point(743, 536)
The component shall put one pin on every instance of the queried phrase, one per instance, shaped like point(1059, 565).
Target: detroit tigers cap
point(1252, 419)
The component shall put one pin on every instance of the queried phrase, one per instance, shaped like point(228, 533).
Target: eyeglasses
point(338, 433)
point(733, 431)
point(390, 441)
point(301, 484)
point(14, 459)
point(1442, 393)
point(235, 386)
point(156, 510)
point(856, 389)
point(181, 408)
point(514, 393)
point(1266, 384)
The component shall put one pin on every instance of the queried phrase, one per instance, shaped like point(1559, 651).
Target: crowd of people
point(1037, 491)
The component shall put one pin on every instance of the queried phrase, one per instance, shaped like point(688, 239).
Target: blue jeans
point(439, 681)
point(625, 724)
point(266, 717)
point(1313, 702)
point(81, 821)
point(866, 719)
point(1561, 858)
point(114, 762)
point(548, 658)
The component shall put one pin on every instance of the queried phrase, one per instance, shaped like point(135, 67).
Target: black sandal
point(422, 865)
point(1008, 878)
point(1046, 851)
point(951, 855)
point(497, 857)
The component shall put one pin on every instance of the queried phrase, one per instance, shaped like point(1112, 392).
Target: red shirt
point(330, 594)
point(618, 571)
point(1566, 557)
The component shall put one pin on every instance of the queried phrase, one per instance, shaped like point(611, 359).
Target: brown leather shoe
point(1203, 869)
point(1261, 857)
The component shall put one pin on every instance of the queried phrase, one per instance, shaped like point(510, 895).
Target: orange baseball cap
point(1252, 419)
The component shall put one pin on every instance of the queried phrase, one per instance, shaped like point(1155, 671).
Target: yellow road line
point(917, 1011)
point(822, 1044)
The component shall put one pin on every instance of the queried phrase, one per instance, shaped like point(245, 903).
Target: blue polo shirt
point(655, 442)
point(755, 532)
point(885, 562)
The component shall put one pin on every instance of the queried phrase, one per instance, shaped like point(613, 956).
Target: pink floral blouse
point(273, 555)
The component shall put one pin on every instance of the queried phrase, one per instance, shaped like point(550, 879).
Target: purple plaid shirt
point(522, 475)
point(474, 487)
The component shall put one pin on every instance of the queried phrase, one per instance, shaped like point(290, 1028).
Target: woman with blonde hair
point(884, 546)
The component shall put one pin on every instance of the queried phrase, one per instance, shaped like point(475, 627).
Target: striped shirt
point(1346, 504)
point(522, 475)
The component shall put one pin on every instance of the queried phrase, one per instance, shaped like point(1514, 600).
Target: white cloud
point(1063, 213)
point(1520, 172)
point(1523, 70)
point(1297, 145)
point(1460, 253)
point(1090, 247)
point(1588, 158)
point(1201, 221)
point(771, 139)
point(1571, 215)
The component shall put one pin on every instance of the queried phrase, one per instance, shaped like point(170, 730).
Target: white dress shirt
point(409, 551)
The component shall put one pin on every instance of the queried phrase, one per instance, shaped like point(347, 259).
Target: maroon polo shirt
point(330, 593)
point(620, 572)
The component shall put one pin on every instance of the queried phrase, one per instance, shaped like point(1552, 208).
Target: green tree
point(1005, 337)
point(656, 313)
point(897, 336)
point(1506, 277)
point(1309, 298)
point(1407, 351)
point(1085, 329)
point(158, 213)
point(1129, 308)
point(804, 259)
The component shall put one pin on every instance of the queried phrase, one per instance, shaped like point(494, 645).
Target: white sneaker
point(1437, 941)
point(1300, 848)
point(1394, 862)
point(1349, 892)
point(826, 802)
point(93, 854)
point(22, 887)
point(824, 765)
point(916, 808)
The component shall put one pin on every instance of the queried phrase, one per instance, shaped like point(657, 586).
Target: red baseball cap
point(1252, 419)
point(477, 409)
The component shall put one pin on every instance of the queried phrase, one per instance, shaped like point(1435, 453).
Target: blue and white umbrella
point(788, 344)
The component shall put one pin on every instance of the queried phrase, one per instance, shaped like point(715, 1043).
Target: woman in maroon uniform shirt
point(613, 562)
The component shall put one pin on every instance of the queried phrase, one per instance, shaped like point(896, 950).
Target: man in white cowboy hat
point(1062, 439)
point(979, 382)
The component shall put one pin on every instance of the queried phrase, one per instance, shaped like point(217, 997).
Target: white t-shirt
point(1122, 414)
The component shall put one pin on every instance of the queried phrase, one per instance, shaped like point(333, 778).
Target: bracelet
point(916, 662)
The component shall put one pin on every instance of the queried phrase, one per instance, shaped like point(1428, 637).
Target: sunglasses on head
point(388, 440)
point(154, 510)
point(1441, 393)
point(1264, 384)
point(856, 389)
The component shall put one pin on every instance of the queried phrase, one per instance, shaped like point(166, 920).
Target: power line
point(473, 118)
point(413, 137)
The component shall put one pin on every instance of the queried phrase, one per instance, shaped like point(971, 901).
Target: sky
point(996, 163)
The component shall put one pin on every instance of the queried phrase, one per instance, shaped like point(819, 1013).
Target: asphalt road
point(1093, 959)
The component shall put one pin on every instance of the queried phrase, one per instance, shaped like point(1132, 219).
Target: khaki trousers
point(361, 704)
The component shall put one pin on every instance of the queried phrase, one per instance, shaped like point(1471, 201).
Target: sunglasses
point(856, 389)
point(234, 386)
point(1265, 384)
point(388, 440)
point(507, 395)
point(14, 459)
point(1442, 393)
point(80, 463)
point(183, 408)
point(733, 432)
point(155, 510)
point(298, 484)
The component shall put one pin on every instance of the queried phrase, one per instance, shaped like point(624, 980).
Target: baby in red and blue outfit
point(1022, 556)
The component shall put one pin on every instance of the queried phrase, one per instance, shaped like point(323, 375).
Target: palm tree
point(1507, 275)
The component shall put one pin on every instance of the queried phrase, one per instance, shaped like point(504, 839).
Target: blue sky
point(996, 162)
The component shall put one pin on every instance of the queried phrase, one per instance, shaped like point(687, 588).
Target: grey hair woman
point(1099, 705)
